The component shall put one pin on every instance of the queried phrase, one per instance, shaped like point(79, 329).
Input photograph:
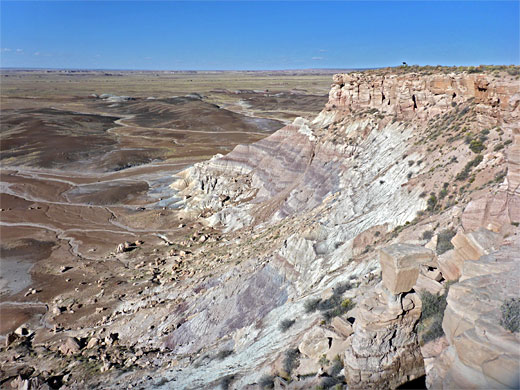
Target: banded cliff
point(390, 158)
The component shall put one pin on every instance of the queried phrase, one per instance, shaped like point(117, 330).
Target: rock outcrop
point(482, 354)
point(338, 187)
point(400, 264)
point(412, 95)
point(467, 246)
point(384, 351)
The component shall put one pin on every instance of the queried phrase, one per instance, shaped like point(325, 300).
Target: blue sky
point(257, 35)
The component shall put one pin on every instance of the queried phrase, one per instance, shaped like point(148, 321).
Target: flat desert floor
point(87, 158)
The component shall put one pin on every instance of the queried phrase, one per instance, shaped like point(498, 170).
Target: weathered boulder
point(342, 326)
point(315, 343)
point(450, 265)
point(384, 350)
point(475, 244)
point(70, 346)
point(428, 284)
point(400, 265)
point(92, 342)
point(468, 246)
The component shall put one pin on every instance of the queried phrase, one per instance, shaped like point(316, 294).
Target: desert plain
point(88, 157)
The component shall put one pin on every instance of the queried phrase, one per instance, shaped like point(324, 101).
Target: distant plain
point(87, 158)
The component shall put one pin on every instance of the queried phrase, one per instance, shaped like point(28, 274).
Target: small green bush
point(443, 193)
point(434, 331)
point(286, 324)
point(444, 241)
point(432, 314)
point(266, 382)
point(462, 175)
point(432, 305)
point(500, 176)
point(431, 202)
point(324, 361)
point(335, 306)
point(291, 359)
point(476, 146)
point(511, 315)
point(311, 305)
point(427, 235)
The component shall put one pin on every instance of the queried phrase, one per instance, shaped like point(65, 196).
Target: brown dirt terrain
point(83, 171)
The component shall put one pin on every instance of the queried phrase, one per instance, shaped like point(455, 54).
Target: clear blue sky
point(257, 35)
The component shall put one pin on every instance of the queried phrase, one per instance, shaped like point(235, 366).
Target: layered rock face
point(412, 95)
point(482, 354)
point(384, 351)
point(498, 210)
point(325, 194)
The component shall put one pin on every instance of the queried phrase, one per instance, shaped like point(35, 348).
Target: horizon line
point(244, 70)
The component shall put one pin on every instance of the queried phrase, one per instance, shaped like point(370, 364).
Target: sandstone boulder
point(342, 326)
point(315, 343)
point(473, 245)
point(384, 351)
point(70, 346)
point(400, 265)
point(468, 246)
point(427, 284)
point(92, 343)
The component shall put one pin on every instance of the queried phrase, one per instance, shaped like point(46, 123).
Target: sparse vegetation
point(498, 147)
point(444, 191)
point(476, 146)
point(286, 324)
point(266, 382)
point(462, 175)
point(427, 235)
point(430, 324)
point(444, 241)
point(500, 176)
point(335, 379)
point(512, 70)
point(324, 361)
point(291, 359)
point(333, 306)
point(511, 315)
point(221, 355)
point(431, 202)
point(311, 305)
